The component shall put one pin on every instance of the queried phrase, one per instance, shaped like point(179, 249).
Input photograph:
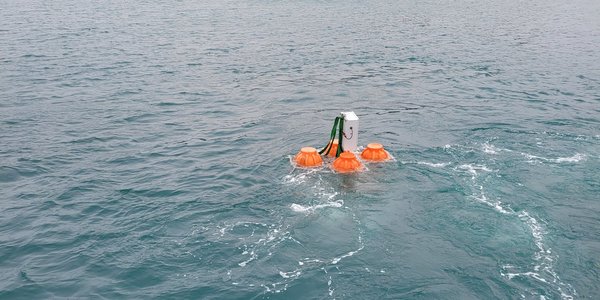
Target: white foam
point(497, 205)
point(300, 177)
point(472, 169)
point(253, 256)
point(291, 274)
point(490, 149)
point(575, 158)
point(536, 231)
point(544, 258)
point(429, 164)
point(543, 271)
point(533, 158)
point(308, 260)
point(311, 208)
point(273, 288)
point(262, 245)
point(434, 165)
point(526, 274)
point(351, 253)
point(571, 159)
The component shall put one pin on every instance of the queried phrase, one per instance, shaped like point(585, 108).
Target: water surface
point(145, 149)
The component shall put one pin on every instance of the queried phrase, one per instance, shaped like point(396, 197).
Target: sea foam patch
point(544, 259)
point(311, 208)
point(577, 157)
point(572, 159)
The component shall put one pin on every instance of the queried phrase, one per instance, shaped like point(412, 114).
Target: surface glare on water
point(145, 149)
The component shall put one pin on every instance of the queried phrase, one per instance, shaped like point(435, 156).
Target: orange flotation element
point(346, 162)
point(375, 152)
point(308, 157)
point(333, 150)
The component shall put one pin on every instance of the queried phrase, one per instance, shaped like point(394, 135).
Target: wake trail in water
point(543, 270)
point(260, 243)
point(309, 209)
point(324, 197)
point(429, 164)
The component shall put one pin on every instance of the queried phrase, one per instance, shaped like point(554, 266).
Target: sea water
point(145, 149)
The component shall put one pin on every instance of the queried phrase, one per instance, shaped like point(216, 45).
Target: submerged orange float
point(308, 157)
point(333, 151)
point(346, 162)
point(375, 152)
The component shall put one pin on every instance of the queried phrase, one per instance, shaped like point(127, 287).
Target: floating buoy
point(375, 152)
point(333, 150)
point(346, 162)
point(349, 133)
point(343, 141)
point(308, 157)
point(345, 128)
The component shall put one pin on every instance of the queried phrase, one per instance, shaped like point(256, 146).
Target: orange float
point(308, 157)
point(346, 162)
point(375, 152)
point(333, 151)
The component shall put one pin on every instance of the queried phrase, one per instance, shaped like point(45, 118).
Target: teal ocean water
point(145, 149)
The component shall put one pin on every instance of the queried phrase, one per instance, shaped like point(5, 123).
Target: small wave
point(9, 174)
point(309, 209)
